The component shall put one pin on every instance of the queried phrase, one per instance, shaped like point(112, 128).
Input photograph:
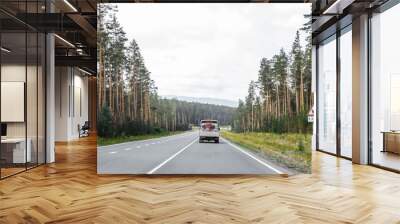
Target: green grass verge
point(120, 139)
point(290, 150)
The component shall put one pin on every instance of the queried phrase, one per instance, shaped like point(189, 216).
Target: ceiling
point(328, 16)
point(73, 21)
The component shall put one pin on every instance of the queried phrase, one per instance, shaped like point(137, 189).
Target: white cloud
point(209, 50)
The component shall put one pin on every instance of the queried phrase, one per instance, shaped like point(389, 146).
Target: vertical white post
point(314, 90)
point(50, 93)
point(50, 110)
point(360, 89)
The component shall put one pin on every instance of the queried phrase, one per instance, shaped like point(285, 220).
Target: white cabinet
point(19, 155)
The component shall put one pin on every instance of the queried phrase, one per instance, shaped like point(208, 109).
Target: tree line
point(279, 100)
point(128, 102)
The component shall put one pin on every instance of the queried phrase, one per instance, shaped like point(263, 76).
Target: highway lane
point(181, 154)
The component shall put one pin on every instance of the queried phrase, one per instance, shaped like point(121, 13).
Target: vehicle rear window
point(209, 125)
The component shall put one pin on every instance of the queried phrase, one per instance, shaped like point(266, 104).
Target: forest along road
point(181, 154)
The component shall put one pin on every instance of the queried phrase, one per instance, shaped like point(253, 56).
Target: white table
point(19, 154)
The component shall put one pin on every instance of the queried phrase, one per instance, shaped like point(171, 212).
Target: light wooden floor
point(70, 191)
point(387, 159)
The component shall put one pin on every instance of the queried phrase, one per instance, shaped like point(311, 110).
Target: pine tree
point(278, 100)
point(296, 72)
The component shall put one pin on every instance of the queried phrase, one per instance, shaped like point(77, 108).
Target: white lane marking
point(185, 134)
point(170, 158)
point(127, 149)
point(113, 152)
point(146, 145)
point(253, 157)
point(138, 146)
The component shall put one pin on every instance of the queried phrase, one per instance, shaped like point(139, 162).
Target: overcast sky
point(209, 50)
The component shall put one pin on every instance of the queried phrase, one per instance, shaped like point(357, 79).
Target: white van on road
point(209, 130)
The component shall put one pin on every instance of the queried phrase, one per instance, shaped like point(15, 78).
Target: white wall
point(9, 73)
point(33, 125)
point(70, 83)
point(62, 81)
point(80, 89)
point(16, 73)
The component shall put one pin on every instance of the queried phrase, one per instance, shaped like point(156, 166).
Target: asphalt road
point(181, 154)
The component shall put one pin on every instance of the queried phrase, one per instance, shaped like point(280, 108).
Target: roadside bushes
point(291, 150)
point(104, 123)
point(288, 124)
point(108, 128)
point(285, 124)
